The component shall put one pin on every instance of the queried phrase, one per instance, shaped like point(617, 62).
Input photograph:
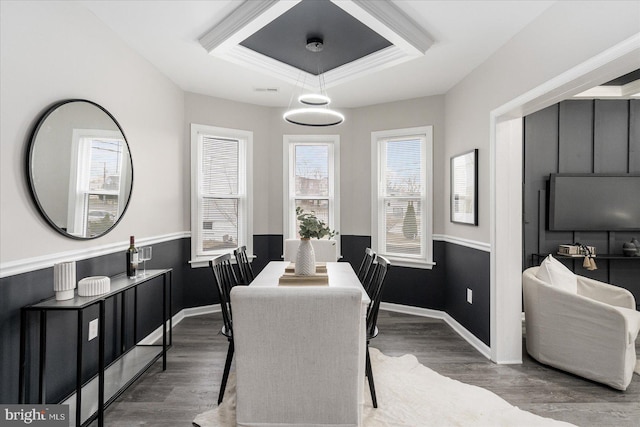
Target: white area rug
point(410, 394)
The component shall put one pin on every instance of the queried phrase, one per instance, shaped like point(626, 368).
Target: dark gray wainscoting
point(469, 268)
point(407, 286)
point(266, 247)
point(419, 287)
point(28, 288)
point(580, 136)
point(441, 288)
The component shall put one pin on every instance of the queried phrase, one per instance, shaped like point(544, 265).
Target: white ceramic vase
point(305, 259)
point(64, 280)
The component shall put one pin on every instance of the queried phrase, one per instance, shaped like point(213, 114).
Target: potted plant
point(310, 227)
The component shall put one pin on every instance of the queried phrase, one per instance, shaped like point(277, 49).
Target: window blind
point(220, 193)
point(220, 166)
point(403, 187)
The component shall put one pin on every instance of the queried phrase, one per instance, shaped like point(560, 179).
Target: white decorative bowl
point(94, 285)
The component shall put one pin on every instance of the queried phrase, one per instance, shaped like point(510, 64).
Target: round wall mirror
point(79, 169)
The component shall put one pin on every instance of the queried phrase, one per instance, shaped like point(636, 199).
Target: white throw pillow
point(556, 274)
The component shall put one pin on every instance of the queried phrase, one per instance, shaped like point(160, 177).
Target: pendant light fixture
point(315, 111)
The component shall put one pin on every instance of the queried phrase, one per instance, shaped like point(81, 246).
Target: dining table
point(340, 274)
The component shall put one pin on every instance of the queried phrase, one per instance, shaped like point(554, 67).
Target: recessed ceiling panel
point(345, 38)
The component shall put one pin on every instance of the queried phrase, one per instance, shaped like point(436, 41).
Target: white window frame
point(80, 174)
point(289, 144)
point(245, 190)
point(425, 133)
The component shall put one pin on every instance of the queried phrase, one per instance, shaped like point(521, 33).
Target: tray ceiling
point(462, 35)
point(360, 37)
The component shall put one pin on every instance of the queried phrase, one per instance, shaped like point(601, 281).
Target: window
point(221, 203)
point(95, 190)
point(401, 203)
point(311, 180)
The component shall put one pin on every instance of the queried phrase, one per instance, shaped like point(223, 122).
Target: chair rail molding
point(26, 265)
point(473, 244)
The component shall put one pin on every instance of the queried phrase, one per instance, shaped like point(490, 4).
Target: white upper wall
point(563, 37)
point(57, 50)
point(53, 51)
point(206, 110)
point(356, 161)
point(79, 57)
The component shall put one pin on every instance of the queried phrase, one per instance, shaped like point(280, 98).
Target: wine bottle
point(132, 259)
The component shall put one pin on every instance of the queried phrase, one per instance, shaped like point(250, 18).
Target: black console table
point(92, 397)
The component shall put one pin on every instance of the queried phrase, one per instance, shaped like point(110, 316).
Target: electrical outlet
point(93, 329)
point(469, 296)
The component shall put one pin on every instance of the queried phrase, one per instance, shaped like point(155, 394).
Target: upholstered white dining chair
point(297, 355)
point(325, 250)
point(580, 325)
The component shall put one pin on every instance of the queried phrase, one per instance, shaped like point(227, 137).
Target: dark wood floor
point(190, 384)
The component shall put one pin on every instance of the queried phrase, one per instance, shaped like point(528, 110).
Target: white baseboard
point(398, 308)
point(484, 349)
point(157, 334)
point(177, 318)
point(205, 309)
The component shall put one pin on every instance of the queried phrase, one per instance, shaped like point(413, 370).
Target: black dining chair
point(225, 279)
point(244, 266)
point(365, 265)
point(376, 282)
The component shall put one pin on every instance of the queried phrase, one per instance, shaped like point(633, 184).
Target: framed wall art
point(464, 188)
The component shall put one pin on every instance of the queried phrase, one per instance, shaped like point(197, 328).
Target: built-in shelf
point(110, 381)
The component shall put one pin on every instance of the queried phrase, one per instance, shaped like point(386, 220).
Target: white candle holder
point(64, 280)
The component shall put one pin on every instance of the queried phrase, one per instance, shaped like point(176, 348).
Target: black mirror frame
point(41, 119)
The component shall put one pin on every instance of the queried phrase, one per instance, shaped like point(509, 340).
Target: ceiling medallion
point(317, 114)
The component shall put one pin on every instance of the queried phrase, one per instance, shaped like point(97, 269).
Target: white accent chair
point(580, 325)
point(297, 355)
point(325, 250)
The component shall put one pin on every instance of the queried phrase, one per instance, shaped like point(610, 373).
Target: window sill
point(411, 263)
point(200, 263)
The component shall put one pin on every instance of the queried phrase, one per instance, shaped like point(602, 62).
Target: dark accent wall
point(580, 136)
point(468, 268)
point(266, 247)
point(408, 286)
point(441, 288)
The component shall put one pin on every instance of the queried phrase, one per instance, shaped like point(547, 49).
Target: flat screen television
point(594, 202)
